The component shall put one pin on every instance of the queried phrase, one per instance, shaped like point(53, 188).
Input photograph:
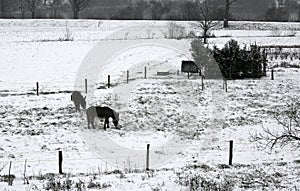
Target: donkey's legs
point(106, 123)
point(88, 120)
point(92, 122)
point(77, 107)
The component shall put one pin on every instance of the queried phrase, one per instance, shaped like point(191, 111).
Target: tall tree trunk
point(76, 15)
point(54, 13)
point(227, 5)
point(205, 36)
point(2, 8)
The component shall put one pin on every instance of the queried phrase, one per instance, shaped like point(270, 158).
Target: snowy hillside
point(188, 128)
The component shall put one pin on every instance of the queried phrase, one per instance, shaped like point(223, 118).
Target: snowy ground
point(171, 113)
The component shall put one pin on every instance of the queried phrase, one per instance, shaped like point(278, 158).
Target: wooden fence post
point(225, 85)
point(230, 152)
point(37, 88)
point(127, 76)
point(188, 75)
point(272, 74)
point(145, 72)
point(60, 159)
point(202, 83)
point(108, 81)
point(86, 90)
point(147, 157)
point(9, 180)
point(25, 179)
point(265, 62)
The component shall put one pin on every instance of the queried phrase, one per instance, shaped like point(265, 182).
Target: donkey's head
point(116, 119)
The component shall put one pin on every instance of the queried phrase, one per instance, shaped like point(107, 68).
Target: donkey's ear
point(84, 97)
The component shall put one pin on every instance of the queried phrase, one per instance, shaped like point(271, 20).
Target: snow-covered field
point(188, 128)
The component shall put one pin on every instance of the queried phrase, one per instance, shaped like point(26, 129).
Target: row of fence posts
point(86, 82)
point(60, 163)
point(225, 85)
point(127, 80)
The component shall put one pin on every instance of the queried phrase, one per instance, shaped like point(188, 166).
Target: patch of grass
point(7, 178)
point(223, 166)
point(198, 182)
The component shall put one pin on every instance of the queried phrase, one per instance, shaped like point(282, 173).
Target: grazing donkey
point(78, 100)
point(102, 112)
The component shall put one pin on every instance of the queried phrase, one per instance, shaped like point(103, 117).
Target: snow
point(182, 123)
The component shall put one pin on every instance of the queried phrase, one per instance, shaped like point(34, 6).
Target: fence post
point(25, 179)
point(145, 72)
point(85, 86)
point(108, 81)
point(230, 152)
point(264, 63)
point(9, 180)
point(127, 76)
point(147, 157)
point(188, 75)
point(265, 68)
point(272, 74)
point(225, 84)
point(177, 72)
point(37, 88)
point(202, 83)
point(60, 159)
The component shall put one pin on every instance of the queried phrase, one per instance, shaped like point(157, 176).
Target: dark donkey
point(102, 112)
point(78, 100)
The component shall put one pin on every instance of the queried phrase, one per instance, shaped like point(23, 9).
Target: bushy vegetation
point(232, 61)
point(195, 182)
point(237, 63)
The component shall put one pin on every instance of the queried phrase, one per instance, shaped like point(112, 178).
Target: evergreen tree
point(233, 62)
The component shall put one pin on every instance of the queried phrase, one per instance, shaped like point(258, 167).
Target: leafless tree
point(32, 6)
point(77, 6)
point(55, 6)
point(6, 7)
point(228, 3)
point(206, 23)
point(289, 120)
point(2, 7)
point(22, 7)
point(175, 31)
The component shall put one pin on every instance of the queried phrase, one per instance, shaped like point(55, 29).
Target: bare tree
point(206, 23)
point(289, 119)
point(32, 6)
point(228, 3)
point(77, 6)
point(22, 7)
point(55, 6)
point(175, 31)
point(6, 8)
point(2, 7)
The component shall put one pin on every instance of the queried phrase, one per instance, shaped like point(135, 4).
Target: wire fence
point(59, 86)
point(245, 147)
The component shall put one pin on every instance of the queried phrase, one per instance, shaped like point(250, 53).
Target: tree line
point(141, 9)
